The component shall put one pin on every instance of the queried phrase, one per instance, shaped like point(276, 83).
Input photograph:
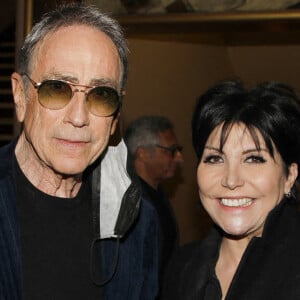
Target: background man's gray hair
point(67, 15)
point(144, 132)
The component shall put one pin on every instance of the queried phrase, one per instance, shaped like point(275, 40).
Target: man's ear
point(142, 153)
point(114, 124)
point(139, 152)
point(19, 96)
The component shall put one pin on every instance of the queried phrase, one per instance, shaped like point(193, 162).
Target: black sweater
point(269, 268)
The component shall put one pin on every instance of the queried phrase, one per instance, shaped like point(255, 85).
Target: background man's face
point(162, 164)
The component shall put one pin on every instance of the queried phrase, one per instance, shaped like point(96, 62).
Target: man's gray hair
point(144, 132)
point(73, 14)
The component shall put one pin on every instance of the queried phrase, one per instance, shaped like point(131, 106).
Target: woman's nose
point(232, 177)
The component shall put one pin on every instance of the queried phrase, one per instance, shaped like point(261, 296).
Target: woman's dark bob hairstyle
point(271, 108)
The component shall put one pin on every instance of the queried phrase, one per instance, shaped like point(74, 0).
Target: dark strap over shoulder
point(129, 210)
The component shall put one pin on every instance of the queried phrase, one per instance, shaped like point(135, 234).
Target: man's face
point(67, 140)
point(161, 163)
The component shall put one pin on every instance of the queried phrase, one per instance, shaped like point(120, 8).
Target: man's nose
point(178, 156)
point(77, 112)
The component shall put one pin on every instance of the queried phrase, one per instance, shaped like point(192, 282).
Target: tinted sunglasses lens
point(103, 101)
point(54, 94)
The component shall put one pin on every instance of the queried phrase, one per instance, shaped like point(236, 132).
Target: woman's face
point(240, 185)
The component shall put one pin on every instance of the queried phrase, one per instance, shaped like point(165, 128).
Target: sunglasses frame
point(37, 86)
point(173, 149)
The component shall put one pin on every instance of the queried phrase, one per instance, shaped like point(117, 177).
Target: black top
point(56, 235)
point(168, 230)
point(268, 270)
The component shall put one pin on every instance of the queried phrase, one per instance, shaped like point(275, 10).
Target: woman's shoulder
point(190, 266)
point(205, 249)
point(195, 254)
point(190, 249)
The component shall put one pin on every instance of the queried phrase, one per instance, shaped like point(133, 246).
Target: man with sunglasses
point(155, 155)
point(68, 210)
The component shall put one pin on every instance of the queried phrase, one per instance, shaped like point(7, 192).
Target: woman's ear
point(19, 96)
point(291, 178)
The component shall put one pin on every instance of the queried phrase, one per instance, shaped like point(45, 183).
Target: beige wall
point(261, 63)
point(166, 78)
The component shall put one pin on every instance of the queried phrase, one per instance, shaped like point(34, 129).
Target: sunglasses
point(173, 149)
point(102, 101)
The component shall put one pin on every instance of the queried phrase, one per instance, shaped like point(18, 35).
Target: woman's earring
point(288, 195)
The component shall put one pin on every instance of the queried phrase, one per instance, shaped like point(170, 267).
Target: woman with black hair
point(248, 146)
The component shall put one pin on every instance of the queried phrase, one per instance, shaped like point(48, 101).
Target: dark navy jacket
point(137, 270)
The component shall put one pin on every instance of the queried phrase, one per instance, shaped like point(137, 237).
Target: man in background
point(154, 156)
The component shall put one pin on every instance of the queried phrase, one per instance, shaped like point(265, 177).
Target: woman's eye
point(255, 159)
point(213, 159)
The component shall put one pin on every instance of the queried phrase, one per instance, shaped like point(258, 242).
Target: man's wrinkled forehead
point(50, 35)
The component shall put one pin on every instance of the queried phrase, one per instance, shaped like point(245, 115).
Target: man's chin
point(68, 169)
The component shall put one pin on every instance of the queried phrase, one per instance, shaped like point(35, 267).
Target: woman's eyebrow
point(255, 150)
point(213, 148)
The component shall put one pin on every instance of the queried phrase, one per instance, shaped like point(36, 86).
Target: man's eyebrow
point(103, 81)
point(58, 76)
point(93, 82)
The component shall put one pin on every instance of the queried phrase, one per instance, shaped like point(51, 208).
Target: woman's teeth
point(236, 202)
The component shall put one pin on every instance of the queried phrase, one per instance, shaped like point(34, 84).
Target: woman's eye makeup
point(212, 158)
point(255, 159)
